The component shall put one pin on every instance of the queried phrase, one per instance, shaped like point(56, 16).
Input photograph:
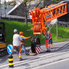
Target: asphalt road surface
point(60, 51)
point(63, 64)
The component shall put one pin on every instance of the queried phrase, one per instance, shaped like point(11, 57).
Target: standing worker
point(22, 43)
point(50, 39)
point(17, 43)
point(47, 42)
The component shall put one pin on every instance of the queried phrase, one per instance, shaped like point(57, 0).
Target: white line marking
point(51, 63)
point(41, 58)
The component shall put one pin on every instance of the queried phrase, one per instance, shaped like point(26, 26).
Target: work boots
point(48, 49)
point(20, 59)
point(51, 47)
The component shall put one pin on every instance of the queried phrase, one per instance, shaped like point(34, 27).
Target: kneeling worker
point(22, 43)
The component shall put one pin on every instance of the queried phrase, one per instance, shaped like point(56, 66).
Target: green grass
point(62, 31)
point(11, 25)
point(20, 26)
point(57, 0)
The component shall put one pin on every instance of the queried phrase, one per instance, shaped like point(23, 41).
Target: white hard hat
point(15, 30)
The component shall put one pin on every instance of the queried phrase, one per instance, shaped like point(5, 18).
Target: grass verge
point(63, 32)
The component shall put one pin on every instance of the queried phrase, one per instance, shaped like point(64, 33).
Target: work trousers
point(47, 44)
point(18, 50)
point(24, 49)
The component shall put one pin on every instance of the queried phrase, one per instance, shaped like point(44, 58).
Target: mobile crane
point(40, 17)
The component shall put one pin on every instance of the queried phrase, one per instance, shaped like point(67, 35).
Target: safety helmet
point(15, 30)
point(20, 32)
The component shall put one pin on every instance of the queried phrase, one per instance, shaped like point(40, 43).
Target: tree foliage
point(26, 9)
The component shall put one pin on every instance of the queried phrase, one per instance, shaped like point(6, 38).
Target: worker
point(47, 42)
point(17, 43)
point(22, 43)
point(50, 39)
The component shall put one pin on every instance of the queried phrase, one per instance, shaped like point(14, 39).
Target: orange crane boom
point(41, 16)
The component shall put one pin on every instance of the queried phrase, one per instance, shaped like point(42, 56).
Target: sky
point(8, 0)
point(5, 0)
point(2, 1)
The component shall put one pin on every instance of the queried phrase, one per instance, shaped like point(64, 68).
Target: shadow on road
point(64, 48)
point(3, 59)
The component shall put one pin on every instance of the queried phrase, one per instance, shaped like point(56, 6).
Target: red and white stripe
point(37, 49)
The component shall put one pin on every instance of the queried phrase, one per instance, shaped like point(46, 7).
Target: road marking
point(51, 63)
point(41, 56)
point(37, 60)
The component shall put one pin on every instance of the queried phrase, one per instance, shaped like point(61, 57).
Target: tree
point(26, 8)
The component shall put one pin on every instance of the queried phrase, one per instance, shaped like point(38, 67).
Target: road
point(60, 51)
point(63, 64)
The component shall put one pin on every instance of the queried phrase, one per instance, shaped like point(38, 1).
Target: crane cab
point(2, 35)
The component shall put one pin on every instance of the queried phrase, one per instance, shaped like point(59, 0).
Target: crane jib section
point(41, 16)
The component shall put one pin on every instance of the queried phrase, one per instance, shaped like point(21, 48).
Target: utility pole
point(57, 28)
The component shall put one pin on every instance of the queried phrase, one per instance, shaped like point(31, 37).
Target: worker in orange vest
point(50, 39)
point(22, 43)
point(46, 34)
